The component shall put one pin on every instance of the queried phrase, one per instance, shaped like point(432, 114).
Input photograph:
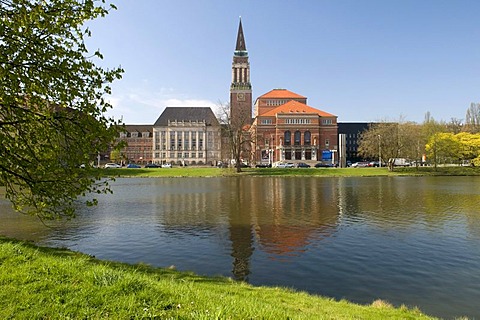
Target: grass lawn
point(332, 172)
point(46, 283)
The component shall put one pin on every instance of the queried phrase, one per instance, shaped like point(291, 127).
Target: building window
point(266, 121)
point(298, 121)
point(287, 136)
point(194, 140)
point(210, 140)
point(187, 140)
point(327, 121)
point(297, 137)
point(307, 136)
point(327, 142)
point(172, 140)
point(179, 140)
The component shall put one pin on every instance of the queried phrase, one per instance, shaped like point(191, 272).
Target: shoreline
point(42, 282)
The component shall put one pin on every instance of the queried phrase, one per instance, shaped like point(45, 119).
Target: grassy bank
point(332, 172)
point(45, 283)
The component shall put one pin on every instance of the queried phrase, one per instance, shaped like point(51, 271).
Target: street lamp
point(379, 151)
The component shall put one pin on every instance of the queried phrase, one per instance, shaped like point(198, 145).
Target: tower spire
point(241, 47)
point(241, 88)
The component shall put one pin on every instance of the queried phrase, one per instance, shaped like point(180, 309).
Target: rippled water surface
point(408, 240)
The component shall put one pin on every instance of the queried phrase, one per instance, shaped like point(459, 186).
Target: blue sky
point(362, 60)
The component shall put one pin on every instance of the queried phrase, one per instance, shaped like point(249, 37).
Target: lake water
point(407, 240)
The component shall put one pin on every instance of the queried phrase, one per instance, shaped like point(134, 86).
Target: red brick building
point(240, 88)
point(285, 128)
point(139, 139)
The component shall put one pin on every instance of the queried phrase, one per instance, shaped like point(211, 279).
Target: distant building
point(187, 136)
point(286, 128)
point(352, 131)
point(139, 144)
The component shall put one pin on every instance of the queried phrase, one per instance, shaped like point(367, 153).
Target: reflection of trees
point(284, 215)
point(400, 202)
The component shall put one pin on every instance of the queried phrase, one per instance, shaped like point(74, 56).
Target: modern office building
point(352, 132)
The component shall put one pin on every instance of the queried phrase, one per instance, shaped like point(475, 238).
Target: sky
point(362, 60)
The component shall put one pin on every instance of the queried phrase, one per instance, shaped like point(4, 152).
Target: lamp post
point(379, 151)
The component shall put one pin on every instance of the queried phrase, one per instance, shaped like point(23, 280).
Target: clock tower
point(241, 88)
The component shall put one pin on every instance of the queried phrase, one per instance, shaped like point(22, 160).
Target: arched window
point(298, 138)
point(307, 136)
point(287, 137)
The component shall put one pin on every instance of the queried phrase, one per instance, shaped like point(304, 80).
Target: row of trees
point(437, 142)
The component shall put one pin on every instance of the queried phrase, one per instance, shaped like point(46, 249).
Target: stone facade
point(187, 136)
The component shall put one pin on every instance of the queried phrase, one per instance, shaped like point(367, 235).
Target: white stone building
point(187, 136)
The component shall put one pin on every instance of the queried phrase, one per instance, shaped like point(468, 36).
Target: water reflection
point(281, 215)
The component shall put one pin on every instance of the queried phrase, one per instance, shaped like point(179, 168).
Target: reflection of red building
point(286, 128)
point(282, 240)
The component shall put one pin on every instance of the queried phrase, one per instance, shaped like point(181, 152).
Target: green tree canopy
point(389, 140)
point(52, 104)
point(443, 147)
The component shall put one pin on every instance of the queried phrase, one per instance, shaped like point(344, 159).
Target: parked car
point(263, 165)
point(360, 164)
point(279, 165)
point(374, 164)
point(152, 165)
point(323, 165)
point(133, 166)
point(221, 164)
point(166, 165)
point(283, 165)
point(112, 165)
point(399, 162)
point(303, 165)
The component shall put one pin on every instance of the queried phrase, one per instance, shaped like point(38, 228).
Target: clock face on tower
point(241, 96)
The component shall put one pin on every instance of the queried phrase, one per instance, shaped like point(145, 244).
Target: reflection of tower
point(242, 248)
point(241, 88)
point(241, 235)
